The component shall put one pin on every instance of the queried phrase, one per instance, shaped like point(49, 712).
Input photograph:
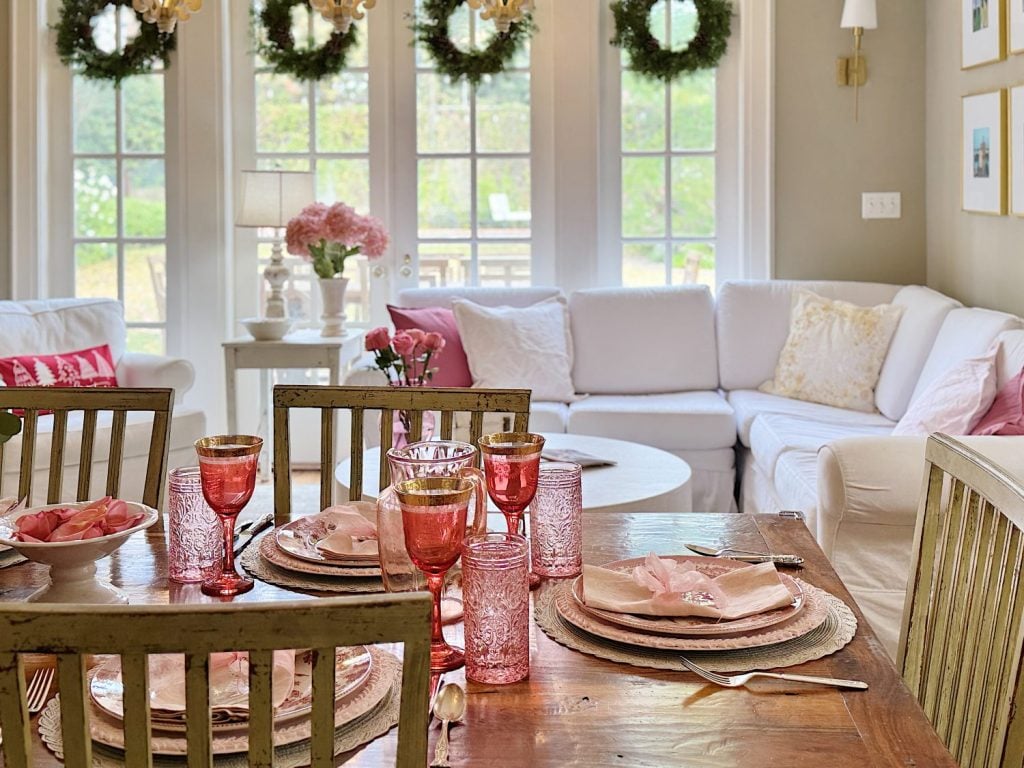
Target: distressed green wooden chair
point(91, 402)
point(72, 632)
point(385, 400)
point(963, 627)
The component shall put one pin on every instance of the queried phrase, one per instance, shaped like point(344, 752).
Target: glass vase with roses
point(326, 235)
point(405, 359)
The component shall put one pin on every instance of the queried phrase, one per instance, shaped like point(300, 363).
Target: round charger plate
point(811, 616)
point(695, 626)
point(270, 551)
point(300, 537)
point(108, 731)
point(352, 669)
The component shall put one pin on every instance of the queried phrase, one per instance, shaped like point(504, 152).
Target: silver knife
point(744, 556)
point(257, 527)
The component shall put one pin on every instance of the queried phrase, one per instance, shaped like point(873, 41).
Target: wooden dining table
point(578, 710)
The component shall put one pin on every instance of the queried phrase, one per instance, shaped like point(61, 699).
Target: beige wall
point(976, 258)
point(5, 159)
point(824, 160)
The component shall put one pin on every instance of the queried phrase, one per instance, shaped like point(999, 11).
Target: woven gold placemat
point(831, 635)
point(352, 735)
point(257, 567)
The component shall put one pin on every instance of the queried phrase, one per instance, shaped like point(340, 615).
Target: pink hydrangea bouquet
point(326, 235)
point(405, 358)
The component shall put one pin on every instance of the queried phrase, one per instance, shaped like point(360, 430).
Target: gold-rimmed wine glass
point(227, 469)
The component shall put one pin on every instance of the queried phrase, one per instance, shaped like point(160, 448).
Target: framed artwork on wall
point(1015, 127)
point(1015, 22)
point(983, 165)
point(982, 38)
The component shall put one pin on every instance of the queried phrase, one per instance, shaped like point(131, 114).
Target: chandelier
point(166, 13)
point(504, 12)
point(341, 13)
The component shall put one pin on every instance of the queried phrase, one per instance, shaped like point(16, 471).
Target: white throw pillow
point(955, 402)
point(511, 347)
point(834, 352)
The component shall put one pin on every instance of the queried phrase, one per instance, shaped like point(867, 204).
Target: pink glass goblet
point(512, 465)
point(434, 516)
point(227, 466)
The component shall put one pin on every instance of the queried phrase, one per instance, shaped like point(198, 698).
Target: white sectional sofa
point(679, 370)
point(64, 325)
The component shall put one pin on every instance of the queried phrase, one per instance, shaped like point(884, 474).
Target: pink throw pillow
point(955, 402)
point(1006, 416)
point(92, 367)
point(452, 365)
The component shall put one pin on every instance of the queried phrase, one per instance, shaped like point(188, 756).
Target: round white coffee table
point(643, 479)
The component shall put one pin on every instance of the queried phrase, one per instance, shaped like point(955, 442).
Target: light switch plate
point(881, 205)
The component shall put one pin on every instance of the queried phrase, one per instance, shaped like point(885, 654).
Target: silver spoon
point(450, 705)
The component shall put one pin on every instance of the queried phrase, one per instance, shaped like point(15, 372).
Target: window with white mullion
point(668, 158)
point(118, 154)
point(321, 127)
point(473, 157)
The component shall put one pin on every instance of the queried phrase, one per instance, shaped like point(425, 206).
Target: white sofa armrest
point(142, 370)
point(362, 375)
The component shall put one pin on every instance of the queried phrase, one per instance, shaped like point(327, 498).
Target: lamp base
point(276, 274)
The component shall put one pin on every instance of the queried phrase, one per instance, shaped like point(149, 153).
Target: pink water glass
point(496, 593)
point(556, 520)
point(195, 544)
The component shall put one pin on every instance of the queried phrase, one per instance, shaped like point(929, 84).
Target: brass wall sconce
point(858, 15)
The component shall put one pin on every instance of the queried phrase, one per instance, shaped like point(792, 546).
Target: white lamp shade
point(272, 198)
point(859, 13)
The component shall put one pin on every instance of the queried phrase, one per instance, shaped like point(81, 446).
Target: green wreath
point(431, 29)
point(648, 57)
point(77, 48)
point(279, 50)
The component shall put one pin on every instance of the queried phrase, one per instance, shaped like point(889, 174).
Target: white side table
point(300, 349)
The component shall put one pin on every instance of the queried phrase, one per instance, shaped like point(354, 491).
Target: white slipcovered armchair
point(55, 326)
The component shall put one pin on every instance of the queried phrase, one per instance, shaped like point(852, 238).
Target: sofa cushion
point(548, 416)
point(672, 422)
point(619, 333)
point(1006, 416)
point(92, 367)
point(451, 363)
point(753, 322)
point(773, 434)
point(52, 326)
point(923, 313)
point(834, 352)
point(487, 297)
point(796, 483)
point(964, 333)
point(748, 404)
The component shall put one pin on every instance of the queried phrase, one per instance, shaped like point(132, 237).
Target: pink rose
point(433, 342)
point(403, 343)
point(378, 338)
point(417, 335)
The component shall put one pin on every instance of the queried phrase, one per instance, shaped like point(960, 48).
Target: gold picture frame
point(1015, 26)
point(983, 161)
point(983, 32)
point(1015, 150)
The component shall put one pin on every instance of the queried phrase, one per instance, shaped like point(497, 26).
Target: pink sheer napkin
point(663, 587)
point(229, 681)
point(100, 518)
point(351, 533)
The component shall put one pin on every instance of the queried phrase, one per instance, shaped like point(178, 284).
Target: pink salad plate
point(695, 626)
point(300, 537)
point(230, 703)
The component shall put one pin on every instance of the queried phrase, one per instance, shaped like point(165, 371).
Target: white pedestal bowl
point(73, 563)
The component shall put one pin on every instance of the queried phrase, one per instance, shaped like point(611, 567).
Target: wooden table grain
point(576, 710)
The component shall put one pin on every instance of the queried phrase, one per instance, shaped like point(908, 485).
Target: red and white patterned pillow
point(92, 367)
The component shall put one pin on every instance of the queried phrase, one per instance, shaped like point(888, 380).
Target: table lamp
point(270, 199)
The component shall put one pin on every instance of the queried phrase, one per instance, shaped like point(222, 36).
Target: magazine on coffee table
point(576, 457)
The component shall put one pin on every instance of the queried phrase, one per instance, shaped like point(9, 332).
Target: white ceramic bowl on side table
point(73, 563)
point(267, 328)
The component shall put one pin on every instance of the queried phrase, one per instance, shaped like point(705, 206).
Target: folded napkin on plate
point(351, 533)
point(229, 680)
point(668, 588)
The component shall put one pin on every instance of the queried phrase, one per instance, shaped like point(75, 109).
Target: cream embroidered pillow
point(834, 352)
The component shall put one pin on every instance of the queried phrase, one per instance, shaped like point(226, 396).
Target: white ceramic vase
point(332, 294)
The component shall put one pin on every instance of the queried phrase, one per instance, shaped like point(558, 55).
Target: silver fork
point(735, 681)
point(39, 689)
